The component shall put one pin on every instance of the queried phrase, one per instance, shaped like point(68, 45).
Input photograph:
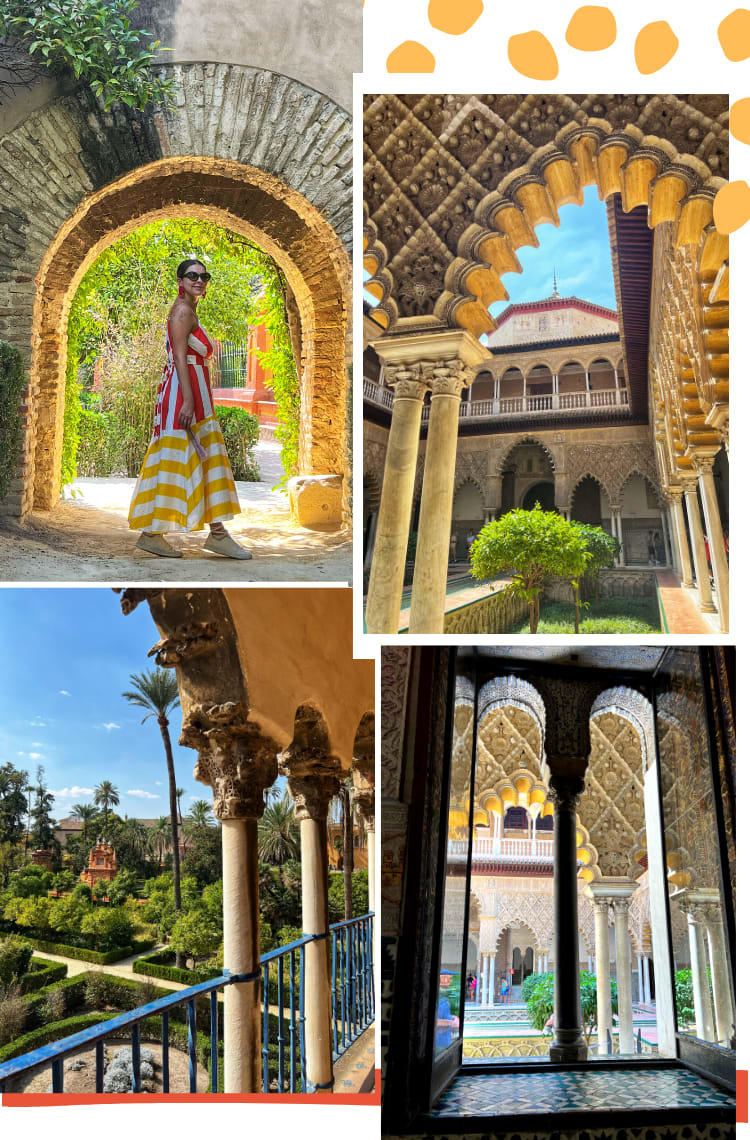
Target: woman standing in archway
point(186, 480)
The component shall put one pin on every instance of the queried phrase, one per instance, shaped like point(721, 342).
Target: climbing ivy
point(94, 40)
point(72, 413)
point(278, 361)
point(12, 380)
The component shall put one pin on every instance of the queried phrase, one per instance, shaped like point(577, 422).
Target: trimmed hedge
point(43, 973)
point(156, 966)
point(142, 945)
point(12, 380)
point(48, 1033)
point(99, 957)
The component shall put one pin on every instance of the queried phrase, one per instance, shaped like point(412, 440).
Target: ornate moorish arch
point(119, 171)
point(552, 451)
point(467, 204)
point(580, 478)
point(648, 473)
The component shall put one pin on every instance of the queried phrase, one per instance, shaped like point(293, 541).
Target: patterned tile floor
point(494, 1094)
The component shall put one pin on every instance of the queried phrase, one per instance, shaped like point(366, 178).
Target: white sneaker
point(155, 544)
point(225, 544)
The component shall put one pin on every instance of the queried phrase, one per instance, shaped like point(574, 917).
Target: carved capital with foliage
point(314, 777)
point(234, 757)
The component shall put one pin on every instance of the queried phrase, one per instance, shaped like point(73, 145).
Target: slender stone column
point(568, 1043)
point(699, 551)
point(239, 764)
point(667, 539)
point(641, 992)
point(363, 776)
point(486, 980)
point(647, 979)
point(618, 519)
point(314, 778)
point(705, 466)
point(392, 536)
point(703, 1019)
point(371, 539)
point(683, 552)
point(723, 1006)
point(603, 987)
point(624, 975)
point(449, 378)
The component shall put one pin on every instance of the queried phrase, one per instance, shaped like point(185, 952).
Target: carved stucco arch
point(119, 169)
point(462, 479)
point(580, 479)
point(554, 452)
point(596, 145)
point(647, 476)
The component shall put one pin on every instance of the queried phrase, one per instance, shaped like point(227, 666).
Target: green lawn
point(612, 615)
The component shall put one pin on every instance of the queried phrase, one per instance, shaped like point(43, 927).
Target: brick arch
point(120, 171)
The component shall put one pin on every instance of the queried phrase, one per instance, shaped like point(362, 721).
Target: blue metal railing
point(352, 980)
point(282, 977)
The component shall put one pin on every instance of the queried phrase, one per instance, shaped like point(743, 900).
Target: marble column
point(641, 991)
point(647, 979)
point(314, 778)
point(239, 764)
point(449, 378)
point(624, 975)
point(699, 551)
point(568, 1043)
point(392, 536)
point(683, 550)
point(704, 1023)
point(485, 979)
point(363, 795)
point(705, 467)
point(723, 1005)
point(371, 539)
point(492, 980)
point(603, 987)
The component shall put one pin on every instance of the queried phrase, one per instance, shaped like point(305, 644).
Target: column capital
point(432, 344)
point(408, 381)
point(566, 791)
point(620, 906)
point(314, 778)
point(703, 462)
point(449, 377)
point(234, 757)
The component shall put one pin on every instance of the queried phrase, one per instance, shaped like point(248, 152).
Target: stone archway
point(117, 173)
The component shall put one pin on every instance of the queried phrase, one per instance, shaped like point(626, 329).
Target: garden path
point(86, 539)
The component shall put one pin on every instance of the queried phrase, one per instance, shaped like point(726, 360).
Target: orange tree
point(532, 546)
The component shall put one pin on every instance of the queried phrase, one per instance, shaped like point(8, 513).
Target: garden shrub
point(43, 973)
point(35, 1038)
point(78, 952)
point(15, 958)
point(241, 432)
point(55, 1006)
point(12, 380)
point(161, 965)
point(97, 453)
point(13, 1014)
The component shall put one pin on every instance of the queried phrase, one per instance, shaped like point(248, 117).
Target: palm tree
point(179, 792)
point(162, 832)
point(200, 815)
point(29, 790)
point(156, 690)
point(347, 843)
point(86, 813)
point(106, 796)
point(278, 832)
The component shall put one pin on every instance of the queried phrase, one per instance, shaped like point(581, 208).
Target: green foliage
point(73, 412)
point(82, 892)
point(280, 904)
point(43, 973)
point(603, 548)
point(63, 881)
point(615, 615)
point(278, 832)
point(194, 936)
point(80, 952)
point(279, 363)
point(540, 1000)
point(203, 856)
point(12, 380)
point(110, 928)
point(360, 903)
point(13, 781)
point(28, 881)
point(123, 886)
point(35, 1038)
point(529, 984)
point(15, 957)
point(161, 965)
point(94, 40)
point(532, 546)
point(241, 432)
point(684, 997)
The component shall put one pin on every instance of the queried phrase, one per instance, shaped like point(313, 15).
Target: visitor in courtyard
point(470, 540)
point(454, 540)
point(446, 1021)
point(504, 990)
point(186, 482)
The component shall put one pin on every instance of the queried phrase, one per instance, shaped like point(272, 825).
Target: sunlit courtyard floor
point(87, 539)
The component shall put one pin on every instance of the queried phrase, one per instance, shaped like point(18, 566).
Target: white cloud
point(64, 693)
point(196, 798)
point(158, 783)
point(71, 793)
point(109, 726)
point(139, 792)
point(21, 753)
point(36, 744)
point(36, 756)
point(37, 722)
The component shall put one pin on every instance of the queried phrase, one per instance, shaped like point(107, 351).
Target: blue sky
point(68, 656)
point(579, 251)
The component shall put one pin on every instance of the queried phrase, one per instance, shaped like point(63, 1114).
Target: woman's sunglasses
point(191, 276)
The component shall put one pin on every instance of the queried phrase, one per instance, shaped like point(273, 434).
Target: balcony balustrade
point(282, 978)
point(607, 402)
point(513, 850)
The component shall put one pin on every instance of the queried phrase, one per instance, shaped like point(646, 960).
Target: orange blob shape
point(454, 16)
point(732, 207)
point(739, 120)
point(655, 45)
point(410, 56)
point(531, 54)
point(734, 35)
point(591, 28)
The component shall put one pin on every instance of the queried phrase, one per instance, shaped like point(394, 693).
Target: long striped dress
point(176, 489)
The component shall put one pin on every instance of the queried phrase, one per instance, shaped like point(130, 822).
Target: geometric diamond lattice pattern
point(490, 1094)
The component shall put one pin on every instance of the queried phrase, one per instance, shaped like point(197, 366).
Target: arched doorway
point(642, 525)
point(468, 517)
point(587, 505)
point(527, 476)
point(542, 493)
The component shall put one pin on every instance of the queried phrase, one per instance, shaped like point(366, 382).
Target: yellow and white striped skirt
point(177, 490)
